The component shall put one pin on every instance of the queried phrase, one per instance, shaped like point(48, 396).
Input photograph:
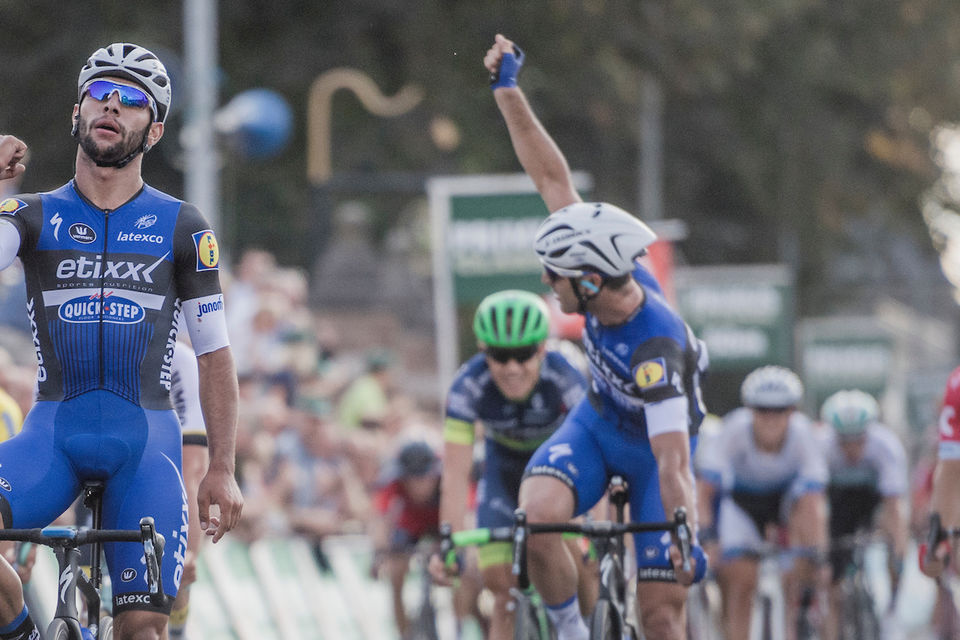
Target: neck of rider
point(610, 306)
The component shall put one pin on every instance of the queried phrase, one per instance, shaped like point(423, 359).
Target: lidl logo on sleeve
point(11, 205)
point(651, 373)
point(208, 251)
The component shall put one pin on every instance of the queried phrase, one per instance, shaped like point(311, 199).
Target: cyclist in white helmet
point(113, 269)
point(867, 487)
point(769, 473)
point(644, 406)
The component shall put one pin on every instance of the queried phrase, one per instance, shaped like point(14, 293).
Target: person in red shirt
point(945, 498)
point(408, 506)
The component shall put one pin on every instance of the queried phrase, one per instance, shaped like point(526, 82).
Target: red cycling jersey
point(949, 448)
point(417, 520)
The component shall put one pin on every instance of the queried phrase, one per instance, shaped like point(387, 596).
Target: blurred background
point(801, 158)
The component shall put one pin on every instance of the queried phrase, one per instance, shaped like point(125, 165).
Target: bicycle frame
point(613, 583)
point(66, 541)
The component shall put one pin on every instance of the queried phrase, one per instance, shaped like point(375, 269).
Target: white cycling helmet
point(771, 387)
point(591, 237)
point(849, 412)
point(134, 63)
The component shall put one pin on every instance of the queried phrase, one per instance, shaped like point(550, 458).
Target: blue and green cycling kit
point(513, 430)
point(646, 376)
point(106, 292)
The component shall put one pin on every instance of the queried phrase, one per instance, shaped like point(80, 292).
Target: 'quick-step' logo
point(115, 309)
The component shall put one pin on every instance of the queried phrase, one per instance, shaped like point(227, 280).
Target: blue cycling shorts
point(585, 452)
point(135, 451)
point(499, 486)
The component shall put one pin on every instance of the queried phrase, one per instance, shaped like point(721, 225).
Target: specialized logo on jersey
point(559, 450)
point(5, 485)
point(146, 221)
point(82, 233)
point(11, 205)
point(651, 373)
point(128, 575)
point(115, 309)
point(208, 252)
point(56, 221)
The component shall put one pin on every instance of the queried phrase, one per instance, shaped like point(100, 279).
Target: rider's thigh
point(147, 484)
point(139, 625)
point(808, 520)
point(546, 499)
point(38, 480)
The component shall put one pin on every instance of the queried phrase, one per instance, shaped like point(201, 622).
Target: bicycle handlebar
point(518, 532)
point(71, 538)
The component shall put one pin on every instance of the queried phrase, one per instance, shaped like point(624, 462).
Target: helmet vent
point(599, 253)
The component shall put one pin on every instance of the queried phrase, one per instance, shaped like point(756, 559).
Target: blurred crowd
point(317, 422)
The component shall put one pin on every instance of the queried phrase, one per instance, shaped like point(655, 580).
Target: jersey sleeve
point(814, 472)
point(949, 422)
point(20, 212)
point(197, 268)
point(893, 465)
point(659, 367)
point(571, 383)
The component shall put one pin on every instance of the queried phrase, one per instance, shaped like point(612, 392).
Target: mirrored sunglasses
point(503, 355)
point(101, 90)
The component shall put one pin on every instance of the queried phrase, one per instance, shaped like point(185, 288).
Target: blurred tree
point(794, 130)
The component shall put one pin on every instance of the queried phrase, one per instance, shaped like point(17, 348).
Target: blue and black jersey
point(518, 426)
point(652, 357)
point(105, 288)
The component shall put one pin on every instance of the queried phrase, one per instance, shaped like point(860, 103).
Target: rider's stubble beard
point(129, 142)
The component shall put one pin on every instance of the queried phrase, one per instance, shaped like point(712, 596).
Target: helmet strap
point(582, 299)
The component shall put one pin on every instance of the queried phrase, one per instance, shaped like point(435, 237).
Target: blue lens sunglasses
point(101, 90)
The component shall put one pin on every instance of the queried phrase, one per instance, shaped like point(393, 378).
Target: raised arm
point(539, 155)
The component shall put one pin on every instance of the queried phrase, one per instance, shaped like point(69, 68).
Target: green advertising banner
point(745, 314)
point(482, 235)
point(844, 353)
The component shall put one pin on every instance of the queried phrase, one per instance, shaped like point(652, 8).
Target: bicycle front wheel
point(605, 622)
point(106, 628)
point(526, 626)
point(61, 629)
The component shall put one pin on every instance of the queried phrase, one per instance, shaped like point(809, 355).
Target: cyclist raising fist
point(644, 410)
point(113, 269)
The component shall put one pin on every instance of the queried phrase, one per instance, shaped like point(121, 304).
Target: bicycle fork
point(72, 578)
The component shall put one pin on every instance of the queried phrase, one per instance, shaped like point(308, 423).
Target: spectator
point(365, 401)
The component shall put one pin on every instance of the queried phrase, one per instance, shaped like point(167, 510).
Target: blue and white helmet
point(134, 63)
point(771, 387)
point(850, 412)
point(591, 237)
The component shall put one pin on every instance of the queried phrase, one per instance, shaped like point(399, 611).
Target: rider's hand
point(219, 487)
point(698, 565)
point(503, 61)
point(441, 573)
point(12, 151)
point(933, 567)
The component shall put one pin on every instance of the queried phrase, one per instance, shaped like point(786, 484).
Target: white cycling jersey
point(731, 461)
point(758, 487)
point(883, 466)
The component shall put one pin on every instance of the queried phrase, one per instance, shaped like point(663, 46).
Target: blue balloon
point(256, 123)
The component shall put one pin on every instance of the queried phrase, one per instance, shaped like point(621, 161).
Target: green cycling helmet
point(849, 412)
point(512, 318)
